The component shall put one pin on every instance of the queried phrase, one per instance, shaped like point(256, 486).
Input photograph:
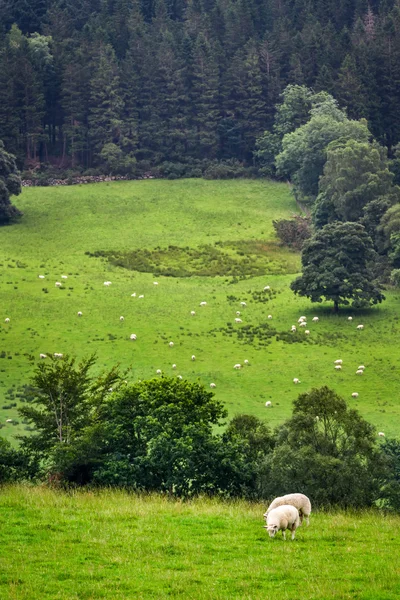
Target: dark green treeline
point(88, 82)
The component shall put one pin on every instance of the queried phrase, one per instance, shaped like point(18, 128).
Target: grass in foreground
point(113, 545)
point(227, 228)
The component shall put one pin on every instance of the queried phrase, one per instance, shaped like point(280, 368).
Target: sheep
point(193, 357)
point(360, 326)
point(58, 284)
point(171, 344)
point(381, 434)
point(9, 420)
point(315, 319)
point(158, 371)
point(237, 320)
point(155, 282)
point(293, 328)
point(301, 319)
point(42, 355)
point(238, 313)
point(303, 324)
point(174, 366)
point(203, 303)
point(282, 518)
point(349, 318)
point(141, 296)
point(133, 295)
point(121, 318)
point(268, 403)
point(299, 501)
point(361, 367)
point(360, 372)
point(267, 288)
point(57, 355)
point(64, 276)
point(7, 320)
point(213, 385)
point(269, 317)
point(133, 336)
point(338, 362)
point(237, 366)
point(41, 276)
point(243, 304)
point(354, 395)
point(307, 332)
point(246, 362)
point(192, 312)
point(80, 313)
point(338, 367)
point(107, 283)
point(296, 381)
point(180, 377)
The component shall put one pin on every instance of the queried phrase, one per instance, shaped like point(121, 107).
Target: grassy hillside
point(189, 228)
point(119, 546)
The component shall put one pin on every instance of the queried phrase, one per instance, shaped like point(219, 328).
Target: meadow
point(210, 241)
point(116, 545)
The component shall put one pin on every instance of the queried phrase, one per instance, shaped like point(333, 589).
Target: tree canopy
point(10, 185)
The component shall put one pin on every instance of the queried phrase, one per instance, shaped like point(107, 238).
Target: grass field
point(112, 545)
point(218, 237)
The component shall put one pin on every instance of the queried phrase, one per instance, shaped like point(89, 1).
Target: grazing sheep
point(361, 367)
point(155, 282)
point(243, 304)
point(237, 320)
point(133, 295)
point(58, 355)
point(180, 377)
point(266, 288)
point(349, 318)
point(281, 518)
point(307, 332)
point(360, 326)
point(354, 395)
point(360, 372)
point(295, 380)
point(213, 385)
point(299, 501)
point(338, 362)
point(80, 313)
point(193, 357)
point(121, 318)
point(293, 328)
point(42, 355)
point(238, 313)
point(246, 362)
point(133, 336)
point(171, 344)
point(268, 403)
point(41, 276)
point(303, 324)
point(203, 303)
point(64, 277)
point(107, 283)
point(58, 284)
point(158, 371)
point(9, 420)
point(338, 367)
point(381, 434)
point(237, 366)
point(269, 316)
point(7, 320)
point(315, 319)
point(301, 319)
point(192, 312)
point(141, 296)
point(174, 366)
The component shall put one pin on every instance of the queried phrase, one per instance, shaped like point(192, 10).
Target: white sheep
point(354, 395)
point(193, 357)
point(338, 367)
point(174, 366)
point(133, 336)
point(381, 434)
point(338, 362)
point(300, 501)
point(315, 319)
point(121, 318)
point(107, 283)
point(296, 381)
point(192, 312)
point(238, 313)
point(64, 276)
point(301, 319)
point(349, 318)
point(303, 324)
point(307, 332)
point(269, 316)
point(141, 296)
point(267, 288)
point(203, 303)
point(158, 371)
point(213, 385)
point(155, 282)
point(58, 355)
point(7, 320)
point(243, 304)
point(360, 326)
point(282, 518)
point(361, 367)
point(237, 366)
point(293, 328)
point(237, 320)
point(180, 377)
point(133, 295)
point(42, 355)
point(58, 284)
point(268, 403)
point(80, 313)
point(360, 372)
point(171, 344)
point(246, 362)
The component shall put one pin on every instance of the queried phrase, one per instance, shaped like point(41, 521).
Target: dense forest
point(126, 82)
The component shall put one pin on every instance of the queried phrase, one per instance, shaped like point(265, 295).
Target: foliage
point(10, 184)
point(15, 464)
point(293, 232)
point(326, 451)
point(391, 485)
point(335, 266)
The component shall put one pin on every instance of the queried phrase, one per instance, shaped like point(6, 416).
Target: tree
point(326, 451)
point(391, 485)
point(355, 173)
point(10, 185)
point(335, 266)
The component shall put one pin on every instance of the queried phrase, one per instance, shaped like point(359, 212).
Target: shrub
point(293, 232)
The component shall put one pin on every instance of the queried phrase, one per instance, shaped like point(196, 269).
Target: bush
point(226, 170)
point(293, 232)
point(395, 277)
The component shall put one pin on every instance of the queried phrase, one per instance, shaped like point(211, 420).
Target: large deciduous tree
point(10, 185)
point(335, 267)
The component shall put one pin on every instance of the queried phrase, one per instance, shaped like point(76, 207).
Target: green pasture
point(215, 238)
point(113, 545)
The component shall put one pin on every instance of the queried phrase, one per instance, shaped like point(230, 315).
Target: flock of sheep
point(287, 512)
